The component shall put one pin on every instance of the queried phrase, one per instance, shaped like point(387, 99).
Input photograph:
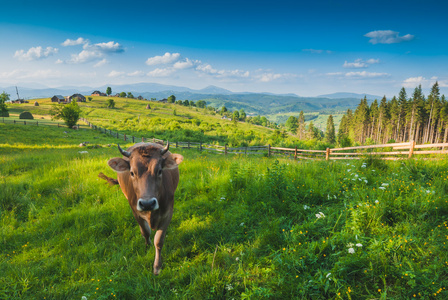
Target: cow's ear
point(118, 164)
point(172, 161)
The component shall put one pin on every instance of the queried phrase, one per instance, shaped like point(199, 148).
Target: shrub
point(26, 115)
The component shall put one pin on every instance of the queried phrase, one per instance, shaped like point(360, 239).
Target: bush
point(4, 114)
point(26, 115)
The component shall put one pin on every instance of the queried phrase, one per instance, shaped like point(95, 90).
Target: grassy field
point(243, 227)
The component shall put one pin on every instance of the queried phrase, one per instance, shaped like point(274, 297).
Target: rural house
point(80, 98)
point(98, 93)
point(57, 98)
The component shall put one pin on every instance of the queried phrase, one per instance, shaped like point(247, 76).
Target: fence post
point(133, 139)
point(295, 153)
point(176, 145)
point(37, 123)
point(327, 154)
point(143, 139)
point(24, 122)
point(225, 149)
point(153, 140)
point(269, 150)
point(188, 145)
point(15, 122)
point(411, 149)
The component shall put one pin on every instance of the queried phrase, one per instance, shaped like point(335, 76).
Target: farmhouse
point(98, 93)
point(79, 98)
point(57, 98)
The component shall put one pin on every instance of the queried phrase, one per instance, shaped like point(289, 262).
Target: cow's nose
point(147, 205)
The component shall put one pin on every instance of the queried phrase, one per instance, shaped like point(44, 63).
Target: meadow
point(243, 227)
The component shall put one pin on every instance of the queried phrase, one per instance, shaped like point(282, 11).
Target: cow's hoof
point(156, 272)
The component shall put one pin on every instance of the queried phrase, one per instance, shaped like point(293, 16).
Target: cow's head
point(146, 165)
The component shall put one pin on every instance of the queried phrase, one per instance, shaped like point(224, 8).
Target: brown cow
point(148, 176)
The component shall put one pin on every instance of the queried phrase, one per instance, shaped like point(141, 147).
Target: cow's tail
point(111, 181)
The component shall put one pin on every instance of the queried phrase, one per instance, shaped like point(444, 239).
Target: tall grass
point(243, 227)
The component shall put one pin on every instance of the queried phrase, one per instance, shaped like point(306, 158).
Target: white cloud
point(268, 77)
point(359, 75)
point(387, 37)
point(365, 74)
point(136, 74)
point(161, 72)
point(100, 63)
point(78, 41)
point(115, 74)
point(373, 61)
point(109, 47)
point(209, 70)
point(318, 51)
point(356, 64)
point(25, 74)
point(360, 63)
point(59, 61)
point(167, 58)
point(186, 64)
point(35, 53)
point(413, 82)
point(85, 56)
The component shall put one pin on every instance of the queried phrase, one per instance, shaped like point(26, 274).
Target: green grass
point(243, 227)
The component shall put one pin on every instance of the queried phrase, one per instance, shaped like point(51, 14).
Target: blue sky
point(303, 47)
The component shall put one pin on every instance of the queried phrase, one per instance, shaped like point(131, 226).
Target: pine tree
point(330, 136)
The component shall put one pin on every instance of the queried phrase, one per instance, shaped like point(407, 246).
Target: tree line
point(417, 118)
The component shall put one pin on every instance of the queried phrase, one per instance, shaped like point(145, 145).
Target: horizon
point(307, 49)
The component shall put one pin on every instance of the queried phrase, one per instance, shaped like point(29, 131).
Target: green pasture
point(243, 227)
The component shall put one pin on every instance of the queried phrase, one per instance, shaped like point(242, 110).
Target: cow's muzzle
point(147, 205)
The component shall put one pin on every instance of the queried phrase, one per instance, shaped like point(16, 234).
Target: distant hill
point(252, 103)
point(350, 95)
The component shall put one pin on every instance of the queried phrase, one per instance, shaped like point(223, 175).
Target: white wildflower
point(229, 287)
point(428, 191)
point(237, 259)
point(335, 197)
point(359, 245)
point(320, 215)
point(306, 207)
point(83, 298)
point(328, 196)
point(359, 204)
point(83, 152)
point(349, 170)
point(351, 250)
point(356, 175)
point(376, 201)
point(373, 171)
point(365, 180)
point(385, 184)
point(382, 188)
point(328, 275)
point(242, 224)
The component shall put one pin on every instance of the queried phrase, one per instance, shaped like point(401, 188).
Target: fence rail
point(385, 151)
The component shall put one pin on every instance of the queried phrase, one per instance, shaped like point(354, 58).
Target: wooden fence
point(385, 151)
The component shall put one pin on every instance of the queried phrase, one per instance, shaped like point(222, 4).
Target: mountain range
point(254, 103)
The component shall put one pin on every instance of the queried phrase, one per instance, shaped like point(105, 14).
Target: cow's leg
point(145, 230)
point(159, 239)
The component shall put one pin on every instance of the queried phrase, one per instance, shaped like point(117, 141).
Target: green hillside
point(243, 227)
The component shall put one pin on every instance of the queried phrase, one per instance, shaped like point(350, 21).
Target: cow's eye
point(160, 172)
point(132, 174)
